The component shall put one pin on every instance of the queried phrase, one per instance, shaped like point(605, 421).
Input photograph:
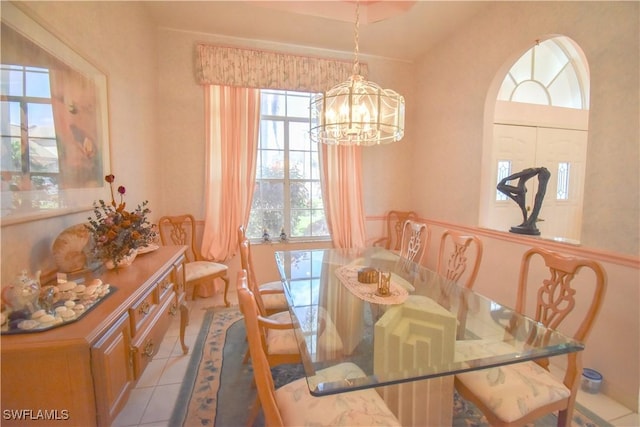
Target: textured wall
point(118, 39)
point(460, 74)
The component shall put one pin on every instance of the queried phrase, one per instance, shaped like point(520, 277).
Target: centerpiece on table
point(118, 233)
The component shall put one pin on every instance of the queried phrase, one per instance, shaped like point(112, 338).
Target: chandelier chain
point(356, 63)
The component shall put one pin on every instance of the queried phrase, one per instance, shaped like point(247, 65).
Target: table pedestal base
point(426, 403)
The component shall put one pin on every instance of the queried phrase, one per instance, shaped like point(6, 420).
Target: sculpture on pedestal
point(518, 194)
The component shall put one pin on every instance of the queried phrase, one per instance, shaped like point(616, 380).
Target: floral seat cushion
point(513, 391)
point(358, 408)
point(283, 341)
point(275, 301)
point(197, 269)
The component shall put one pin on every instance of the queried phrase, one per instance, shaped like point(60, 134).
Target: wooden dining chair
point(181, 230)
point(394, 225)
point(277, 330)
point(415, 241)
point(517, 394)
point(272, 293)
point(292, 404)
point(453, 257)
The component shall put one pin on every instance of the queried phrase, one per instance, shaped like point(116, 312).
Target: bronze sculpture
point(518, 194)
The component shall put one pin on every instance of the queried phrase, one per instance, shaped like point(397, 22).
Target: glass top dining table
point(425, 327)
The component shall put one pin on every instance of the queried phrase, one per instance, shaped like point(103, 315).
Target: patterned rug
point(217, 389)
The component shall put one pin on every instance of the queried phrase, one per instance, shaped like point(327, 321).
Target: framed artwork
point(53, 124)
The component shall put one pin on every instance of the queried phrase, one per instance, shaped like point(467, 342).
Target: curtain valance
point(231, 66)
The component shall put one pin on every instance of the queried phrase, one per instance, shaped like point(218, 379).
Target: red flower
point(110, 178)
point(121, 189)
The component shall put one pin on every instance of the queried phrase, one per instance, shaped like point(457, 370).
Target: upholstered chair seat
point(362, 408)
point(513, 391)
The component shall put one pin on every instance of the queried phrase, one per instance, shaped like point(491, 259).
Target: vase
point(124, 262)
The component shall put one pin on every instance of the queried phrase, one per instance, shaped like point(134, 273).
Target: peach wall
point(118, 39)
point(459, 73)
point(181, 123)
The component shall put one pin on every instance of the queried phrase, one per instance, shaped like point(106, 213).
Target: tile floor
point(151, 401)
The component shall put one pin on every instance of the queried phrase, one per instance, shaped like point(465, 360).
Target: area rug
point(217, 388)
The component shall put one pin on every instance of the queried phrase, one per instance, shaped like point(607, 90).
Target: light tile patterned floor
point(151, 401)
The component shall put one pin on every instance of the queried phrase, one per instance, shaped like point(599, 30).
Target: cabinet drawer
point(165, 286)
point(147, 344)
point(142, 310)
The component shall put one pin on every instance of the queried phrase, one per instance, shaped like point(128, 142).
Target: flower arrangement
point(117, 232)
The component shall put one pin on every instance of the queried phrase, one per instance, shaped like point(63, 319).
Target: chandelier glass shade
point(357, 111)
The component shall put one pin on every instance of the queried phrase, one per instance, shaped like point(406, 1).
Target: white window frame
point(285, 180)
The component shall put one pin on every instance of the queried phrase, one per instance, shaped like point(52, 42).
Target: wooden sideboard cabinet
point(81, 374)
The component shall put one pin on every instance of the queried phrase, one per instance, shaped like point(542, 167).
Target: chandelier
point(357, 111)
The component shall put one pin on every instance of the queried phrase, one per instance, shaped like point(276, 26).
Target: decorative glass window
point(504, 170)
point(29, 146)
point(550, 73)
point(287, 197)
point(563, 181)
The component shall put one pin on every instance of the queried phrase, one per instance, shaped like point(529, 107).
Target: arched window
point(550, 73)
point(541, 120)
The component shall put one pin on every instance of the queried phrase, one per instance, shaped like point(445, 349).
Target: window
point(550, 73)
point(29, 146)
point(563, 181)
point(287, 195)
point(504, 170)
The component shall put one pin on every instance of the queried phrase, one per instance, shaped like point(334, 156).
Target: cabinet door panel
point(112, 371)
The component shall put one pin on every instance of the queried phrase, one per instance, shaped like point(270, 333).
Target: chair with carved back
point(415, 241)
point(453, 257)
point(518, 394)
point(292, 404)
point(181, 230)
point(394, 224)
point(459, 257)
point(272, 293)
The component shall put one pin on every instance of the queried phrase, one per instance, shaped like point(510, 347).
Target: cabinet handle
point(144, 308)
point(173, 310)
point(148, 349)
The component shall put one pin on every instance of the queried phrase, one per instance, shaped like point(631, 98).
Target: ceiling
point(401, 30)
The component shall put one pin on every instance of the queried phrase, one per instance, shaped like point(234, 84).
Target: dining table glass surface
point(424, 326)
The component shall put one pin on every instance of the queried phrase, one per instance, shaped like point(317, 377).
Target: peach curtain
point(342, 194)
point(232, 120)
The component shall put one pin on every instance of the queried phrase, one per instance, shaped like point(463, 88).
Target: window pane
point(300, 223)
point(271, 134)
point(273, 222)
point(10, 113)
point(521, 70)
point(549, 61)
point(40, 118)
point(10, 155)
point(319, 223)
point(504, 170)
point(298, 106)
point(300, 165)
point(43, 155)
point(37, 83)
point(271, 195)
point(564, 169)
point(300, 195)
point(272, 103)
point(316, 195)
point(11, 81)
point(299, 136)
point(271, 164)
